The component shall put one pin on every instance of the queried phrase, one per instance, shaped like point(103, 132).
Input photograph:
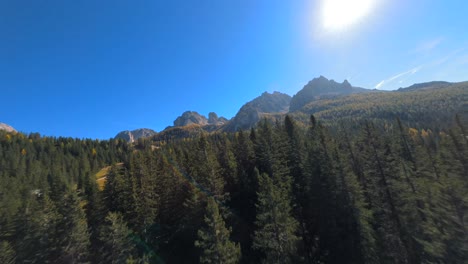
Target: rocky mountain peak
point(251, 112)
point(189, 118)
point(346, 84)
point(7, 128)
point(213, 119)
point(134, 135)
point(194, 118)
point(321, 87)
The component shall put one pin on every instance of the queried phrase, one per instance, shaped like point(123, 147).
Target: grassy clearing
point(101, 176)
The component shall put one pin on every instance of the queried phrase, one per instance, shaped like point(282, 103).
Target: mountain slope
point(424, 103)
point(189, 118)
point(319, 88)
point(264, 105)
point(426, 85)
point(428, 107)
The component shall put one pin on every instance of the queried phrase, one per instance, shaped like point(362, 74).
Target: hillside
point(430, 106)
point(423, 105)
point(264, 105)
point(322, 88)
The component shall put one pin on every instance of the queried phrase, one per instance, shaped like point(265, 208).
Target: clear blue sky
point(92, 68)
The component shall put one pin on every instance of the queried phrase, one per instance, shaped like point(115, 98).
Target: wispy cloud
point(428, 45)
point(397, 76)
point(446, 58)
point(377, 86)
point(433, 66)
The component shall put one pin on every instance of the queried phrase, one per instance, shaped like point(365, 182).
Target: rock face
point(213, 119)
point(7, 128)
point(253, 111)
point(189, 118)
point(132, 136)
point(321, 87)
point(194, 118)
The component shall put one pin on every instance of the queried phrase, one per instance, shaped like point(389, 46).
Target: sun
point(340, 14)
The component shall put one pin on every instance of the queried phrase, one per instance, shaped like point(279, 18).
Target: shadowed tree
point(214, 240)
point(7, 253)
point(275, 236)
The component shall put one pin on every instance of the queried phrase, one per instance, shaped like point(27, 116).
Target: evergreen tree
point(7, 253)
point(73, 230)
point(118, 246)
point(276, 233)
point(205, 168)
point(37, 234)
point(382, 173)
point(214, 238)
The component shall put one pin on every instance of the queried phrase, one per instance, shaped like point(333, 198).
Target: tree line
point(279, 193)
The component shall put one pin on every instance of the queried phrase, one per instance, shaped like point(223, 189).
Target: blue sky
point(90, 69)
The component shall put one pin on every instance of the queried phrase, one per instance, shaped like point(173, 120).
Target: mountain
point(213, 119)
point(265, 105)
point(7, 128)
point(426, 85)
point(189, 118)
point(319, 88)
point(134, 135)
point(329, 101)
point(194, 118)
point(428, 106)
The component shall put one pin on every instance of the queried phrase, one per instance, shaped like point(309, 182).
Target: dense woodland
point(381, 192)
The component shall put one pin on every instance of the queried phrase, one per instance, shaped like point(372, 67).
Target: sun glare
point(340, 14)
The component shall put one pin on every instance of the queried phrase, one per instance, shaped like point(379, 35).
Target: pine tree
point(205, 168)
point(37, 236)
point(214, 238)
point(144, 177)
point(322, 205)
point(118, 246)
point(356, 218)
point(276, 233)
point(7, 253)
point(73, 230)
point(382, 174)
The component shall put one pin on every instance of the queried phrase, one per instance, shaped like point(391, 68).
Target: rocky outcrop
point(253, 111)
point(321, 87)
point(7, 128)
point(134, 135)
point(190, 118)
point(213, 119)
point(194, 118)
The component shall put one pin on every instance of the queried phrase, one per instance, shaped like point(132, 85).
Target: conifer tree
point(7, 253)
point(118, 246)
point(73, 230)
point(356, 219)
point(205, 168)
point(214, 239)
point(382, 174)
point(37, 235)
point(276, 233)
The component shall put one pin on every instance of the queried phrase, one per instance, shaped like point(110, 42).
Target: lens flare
point(340, 14)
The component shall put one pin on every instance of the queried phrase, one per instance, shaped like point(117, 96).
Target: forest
point(283, 192)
